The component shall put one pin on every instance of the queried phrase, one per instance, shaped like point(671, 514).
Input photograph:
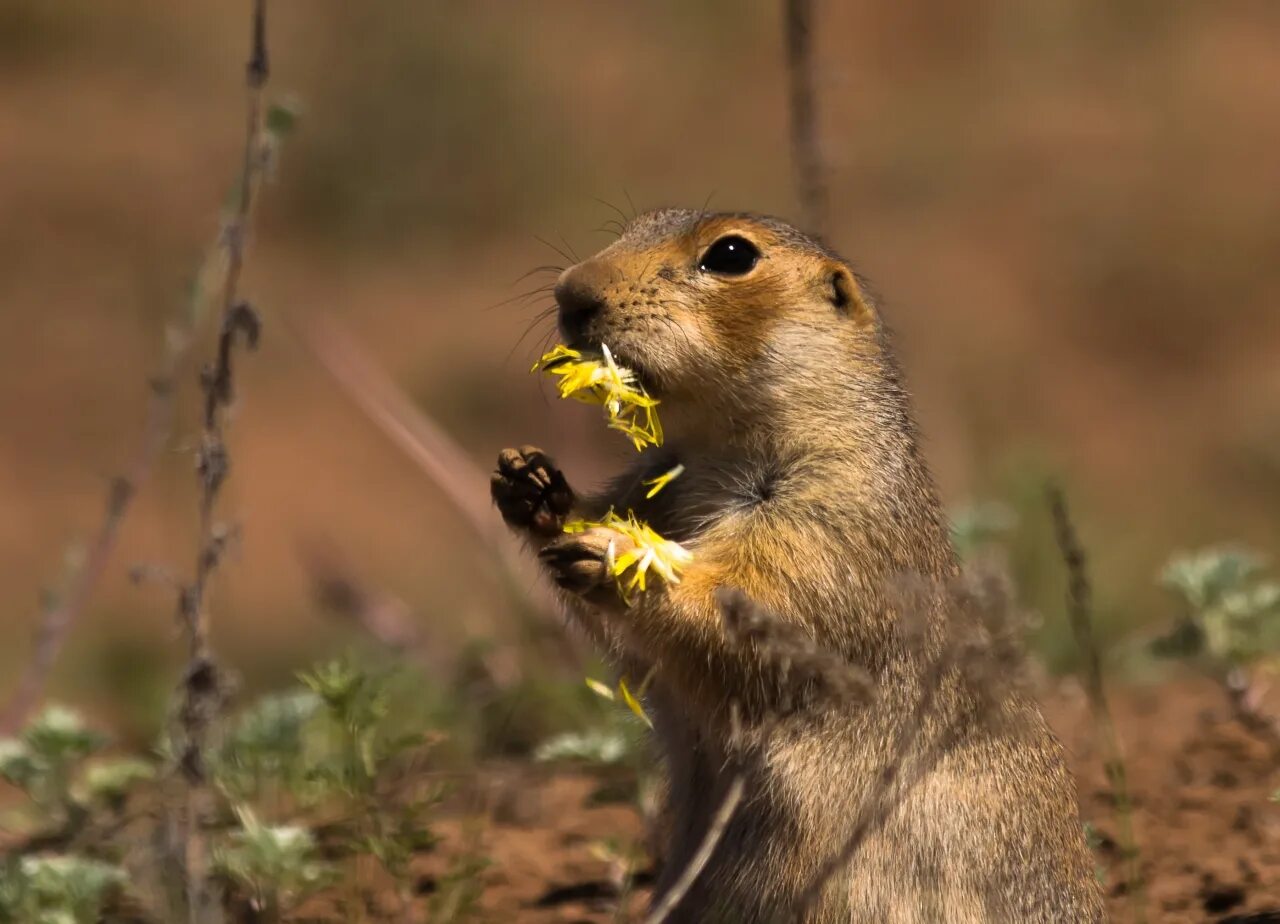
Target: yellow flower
point(657, 484)
point(598, 379)
point(648, 552)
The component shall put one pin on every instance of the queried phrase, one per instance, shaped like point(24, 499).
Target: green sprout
point(56, 890)
point(1232, 610)
point(110, 782)
point(597, 746)
point(277, 865)
point(362, 755)
point(265, 748)
point(43, 759)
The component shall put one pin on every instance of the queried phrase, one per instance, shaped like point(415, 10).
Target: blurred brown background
point(1071, 210)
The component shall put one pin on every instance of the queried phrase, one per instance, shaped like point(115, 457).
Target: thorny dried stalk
point(806, 158)
point(64, 609)
point(1080, 611)
point(797, 662)
point(202, 692)
point(981, 650)
point(890, 785)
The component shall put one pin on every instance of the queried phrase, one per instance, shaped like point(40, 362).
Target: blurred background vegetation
point(1070, 209)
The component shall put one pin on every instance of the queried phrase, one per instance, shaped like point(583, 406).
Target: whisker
point(569, 247)
point(609, 205)
point(546, 243)
point(533, 325)
point(523, 295)
point(549, 268)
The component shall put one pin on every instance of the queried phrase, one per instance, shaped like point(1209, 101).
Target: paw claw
point(530, 492)
point(581, 563)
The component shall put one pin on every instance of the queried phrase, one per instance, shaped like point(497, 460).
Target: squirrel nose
point(579, 293)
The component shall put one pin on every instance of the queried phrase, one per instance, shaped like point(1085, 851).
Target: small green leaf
point(282, 117)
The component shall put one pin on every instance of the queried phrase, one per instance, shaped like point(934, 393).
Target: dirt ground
point(1209, 836)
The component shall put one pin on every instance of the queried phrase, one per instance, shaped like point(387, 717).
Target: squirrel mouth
point(643, 376)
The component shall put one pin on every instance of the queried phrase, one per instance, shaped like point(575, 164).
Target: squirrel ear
point(846, 296)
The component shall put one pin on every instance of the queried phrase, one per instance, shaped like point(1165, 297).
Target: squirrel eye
point(730, 256)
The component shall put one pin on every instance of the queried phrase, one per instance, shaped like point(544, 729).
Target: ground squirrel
point(804, 486)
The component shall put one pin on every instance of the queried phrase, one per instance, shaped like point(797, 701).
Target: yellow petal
point(632, 703)
point(660, 482)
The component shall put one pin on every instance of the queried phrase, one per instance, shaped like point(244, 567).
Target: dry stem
point(715, 831)
point(203, 690)
point(427, 444)
point(805, 157)
point(1080, 611)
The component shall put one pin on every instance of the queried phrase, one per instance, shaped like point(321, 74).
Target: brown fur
point(804, 486)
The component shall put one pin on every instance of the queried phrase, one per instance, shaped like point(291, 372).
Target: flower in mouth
point(649, 552)
point(598, 379)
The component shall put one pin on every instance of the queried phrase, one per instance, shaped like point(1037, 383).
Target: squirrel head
point(722, 312)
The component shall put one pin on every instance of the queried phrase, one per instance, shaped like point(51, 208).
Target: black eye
point(730, 256)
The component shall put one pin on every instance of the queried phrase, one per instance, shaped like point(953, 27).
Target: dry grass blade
point(1080, 611)
point(715, 832)
point(978, 650)
point(414, 433)
point(424, 441)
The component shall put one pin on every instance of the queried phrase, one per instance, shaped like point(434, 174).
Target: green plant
point(458, 893)
point(1231, 613)
point(42, 762)
point(277, 865)
point(265, 747)
point(365, 757)
point(109, 782)
point(56, 889)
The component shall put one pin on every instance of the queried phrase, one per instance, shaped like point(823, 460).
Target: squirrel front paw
point(582, 563)
point(530, 492)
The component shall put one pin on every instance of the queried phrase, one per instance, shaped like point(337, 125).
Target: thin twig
point(979, 652)
point(390, 622)
point(715, 831)
point(805, 155)
point(1080, 611)
point(64, 609)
